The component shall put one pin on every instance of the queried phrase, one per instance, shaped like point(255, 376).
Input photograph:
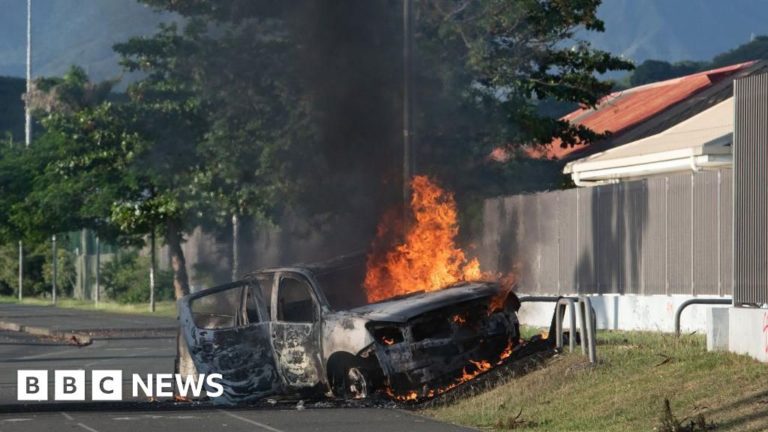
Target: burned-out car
point(309, 329)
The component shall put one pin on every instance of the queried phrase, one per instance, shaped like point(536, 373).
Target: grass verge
point(625, 392)
point(164, 308)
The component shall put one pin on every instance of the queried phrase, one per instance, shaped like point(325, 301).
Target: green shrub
point(37, 270)
point(126, 280)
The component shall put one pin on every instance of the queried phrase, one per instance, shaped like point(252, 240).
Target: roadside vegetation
point(626, 391)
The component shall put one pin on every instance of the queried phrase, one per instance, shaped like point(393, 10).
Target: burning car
point(312, 329)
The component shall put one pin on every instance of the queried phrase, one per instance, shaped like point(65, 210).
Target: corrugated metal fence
point(664, 235)
point(750, 157)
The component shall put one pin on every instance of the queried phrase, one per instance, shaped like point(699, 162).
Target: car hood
point(403, 309)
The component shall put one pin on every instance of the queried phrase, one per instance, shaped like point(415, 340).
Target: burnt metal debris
point(307, 330)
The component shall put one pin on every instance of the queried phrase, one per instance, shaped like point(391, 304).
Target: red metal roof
point(621, 110)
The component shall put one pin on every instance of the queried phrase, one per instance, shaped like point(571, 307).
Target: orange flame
point(506, 353)
point(458, 319)
point(428, 259)
point(470, 372)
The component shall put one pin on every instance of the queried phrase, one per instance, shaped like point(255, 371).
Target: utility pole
point(98, 275)
point(21, 271)
point(27, 130)
point(54, 270)
point(407, 132)
point(235, 246)
point(152, 270)
point(27, 114)
point(84, 265)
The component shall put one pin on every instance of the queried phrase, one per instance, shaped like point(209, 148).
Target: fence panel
point(634, 218)
point(586, 282)
point(549, 243)
point(706, 266)
point(680, 245)
point(750, 159)
point(568, 256)
point(726, 232)
point(653, 256)
point(662, 235)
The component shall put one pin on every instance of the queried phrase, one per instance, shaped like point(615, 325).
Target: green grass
point(626, 390)
point(163, 308)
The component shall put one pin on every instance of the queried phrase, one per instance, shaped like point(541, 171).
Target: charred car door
point(295, 331)
point(227, 330)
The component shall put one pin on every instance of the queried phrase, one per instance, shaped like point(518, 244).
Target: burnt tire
point(351, 381)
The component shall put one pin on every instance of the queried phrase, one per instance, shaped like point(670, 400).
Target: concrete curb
point(78, 338)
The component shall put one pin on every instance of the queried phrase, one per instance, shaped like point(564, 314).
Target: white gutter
point(613, 175)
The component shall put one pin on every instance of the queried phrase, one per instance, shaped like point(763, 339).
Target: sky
point(67, 32)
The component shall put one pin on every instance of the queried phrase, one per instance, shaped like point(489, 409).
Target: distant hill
point(677, 30)
point(83, 31)
point(11, 108)
point(67, 32)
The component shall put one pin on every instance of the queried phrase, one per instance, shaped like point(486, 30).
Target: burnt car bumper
point(435, 349)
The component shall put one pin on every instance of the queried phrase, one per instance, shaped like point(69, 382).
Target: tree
point(228, 122)
point(185, 146)
point(756, 49)
point(482, 68)
point(483, 72)
point(252, 106)
point(656, 70)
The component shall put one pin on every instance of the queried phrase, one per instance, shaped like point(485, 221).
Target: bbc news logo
point(107, 385)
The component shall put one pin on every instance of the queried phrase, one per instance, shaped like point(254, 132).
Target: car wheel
point(352, 383)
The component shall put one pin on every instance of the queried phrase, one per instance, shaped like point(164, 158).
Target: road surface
point(314, 420)
point(137, 344)
point(131, 354)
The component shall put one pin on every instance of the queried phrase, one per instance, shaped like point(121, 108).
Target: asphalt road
point(314, 420)
point(131, 354)
point(135, 344)
point(132, 343)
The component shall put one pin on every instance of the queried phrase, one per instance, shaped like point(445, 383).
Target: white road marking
point(249, 421)
point(16, 420)
point(36, 356)
point(155, 417)
point(67, 416)
point(88, 428)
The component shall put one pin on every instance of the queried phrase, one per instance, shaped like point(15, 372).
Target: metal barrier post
point(588, 328)
point(562, 303)
point(583, 307)
point(583, 322)
point(702, 301)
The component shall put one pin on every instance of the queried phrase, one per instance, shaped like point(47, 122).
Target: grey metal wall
point(664, 235)
point(750, 271)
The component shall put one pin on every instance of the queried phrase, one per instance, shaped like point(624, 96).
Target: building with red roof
point(639, 112)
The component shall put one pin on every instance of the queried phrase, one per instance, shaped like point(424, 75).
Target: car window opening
point(295, 302)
